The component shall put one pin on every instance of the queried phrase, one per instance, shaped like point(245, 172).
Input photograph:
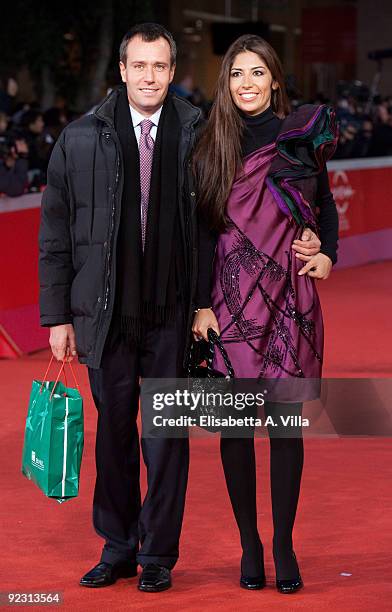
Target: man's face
point(37, 126)
point(147, 74)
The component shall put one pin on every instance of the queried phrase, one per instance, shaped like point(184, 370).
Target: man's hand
point(62, 342)
point(308, 246)
point(10, 160)
point(204, 319)
point(318, 266)
point(21, 147)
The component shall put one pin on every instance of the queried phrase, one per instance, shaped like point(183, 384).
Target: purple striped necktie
point(146, 152)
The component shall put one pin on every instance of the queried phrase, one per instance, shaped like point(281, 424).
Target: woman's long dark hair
point(217, 155)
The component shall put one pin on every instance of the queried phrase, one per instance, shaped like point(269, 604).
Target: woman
point(261, 174)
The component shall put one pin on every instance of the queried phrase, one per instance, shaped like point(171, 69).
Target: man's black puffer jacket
point(80, 219)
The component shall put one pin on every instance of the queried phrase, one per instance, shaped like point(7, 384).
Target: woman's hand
point(308, 246)
point(204, 319)
point(318, 266)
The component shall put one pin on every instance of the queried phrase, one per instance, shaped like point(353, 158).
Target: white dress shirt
point(137, 118)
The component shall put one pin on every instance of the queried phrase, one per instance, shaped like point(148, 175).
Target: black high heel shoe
point(290, 585)
point(254, 583)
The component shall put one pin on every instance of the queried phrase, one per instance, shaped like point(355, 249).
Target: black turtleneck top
point(261, 130)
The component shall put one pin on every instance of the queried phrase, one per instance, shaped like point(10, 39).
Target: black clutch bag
point(205, 379)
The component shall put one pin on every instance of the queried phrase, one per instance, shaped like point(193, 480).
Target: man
point(13, 165)
point(118, 267)
point(33, 126)
point(117, 253)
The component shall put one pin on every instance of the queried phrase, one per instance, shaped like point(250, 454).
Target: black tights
point(287, 453)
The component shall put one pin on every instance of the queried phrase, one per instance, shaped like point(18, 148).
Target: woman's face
point(251, 83)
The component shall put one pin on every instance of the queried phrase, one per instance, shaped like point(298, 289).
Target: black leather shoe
point(253, 584)
point(105, 574)
point(154, 578)
point(289, 586)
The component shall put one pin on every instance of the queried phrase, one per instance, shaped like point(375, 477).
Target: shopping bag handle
point(58, 376)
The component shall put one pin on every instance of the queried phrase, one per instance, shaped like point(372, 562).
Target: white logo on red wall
point(342, 193)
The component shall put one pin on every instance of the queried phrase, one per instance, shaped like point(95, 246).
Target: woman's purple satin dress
point(270, 318)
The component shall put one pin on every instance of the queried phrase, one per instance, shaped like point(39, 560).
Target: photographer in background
point(13, 165)
point(347, 140)
point(8, 91)
point(364, 138)
point(32, 125)
point(382, 139)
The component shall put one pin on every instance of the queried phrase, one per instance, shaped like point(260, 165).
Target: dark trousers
point(287, 455)
point(119, 515)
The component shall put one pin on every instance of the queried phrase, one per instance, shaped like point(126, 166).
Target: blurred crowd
point(364, 133)
point(27, 137)
point(28, 133)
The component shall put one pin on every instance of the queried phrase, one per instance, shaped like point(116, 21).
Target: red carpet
point(344, 520)
point(357, 305)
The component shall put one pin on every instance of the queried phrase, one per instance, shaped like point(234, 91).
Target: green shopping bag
point(54, 437)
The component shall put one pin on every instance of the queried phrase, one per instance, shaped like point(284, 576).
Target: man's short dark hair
point(29, 117)
point(148, 32)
